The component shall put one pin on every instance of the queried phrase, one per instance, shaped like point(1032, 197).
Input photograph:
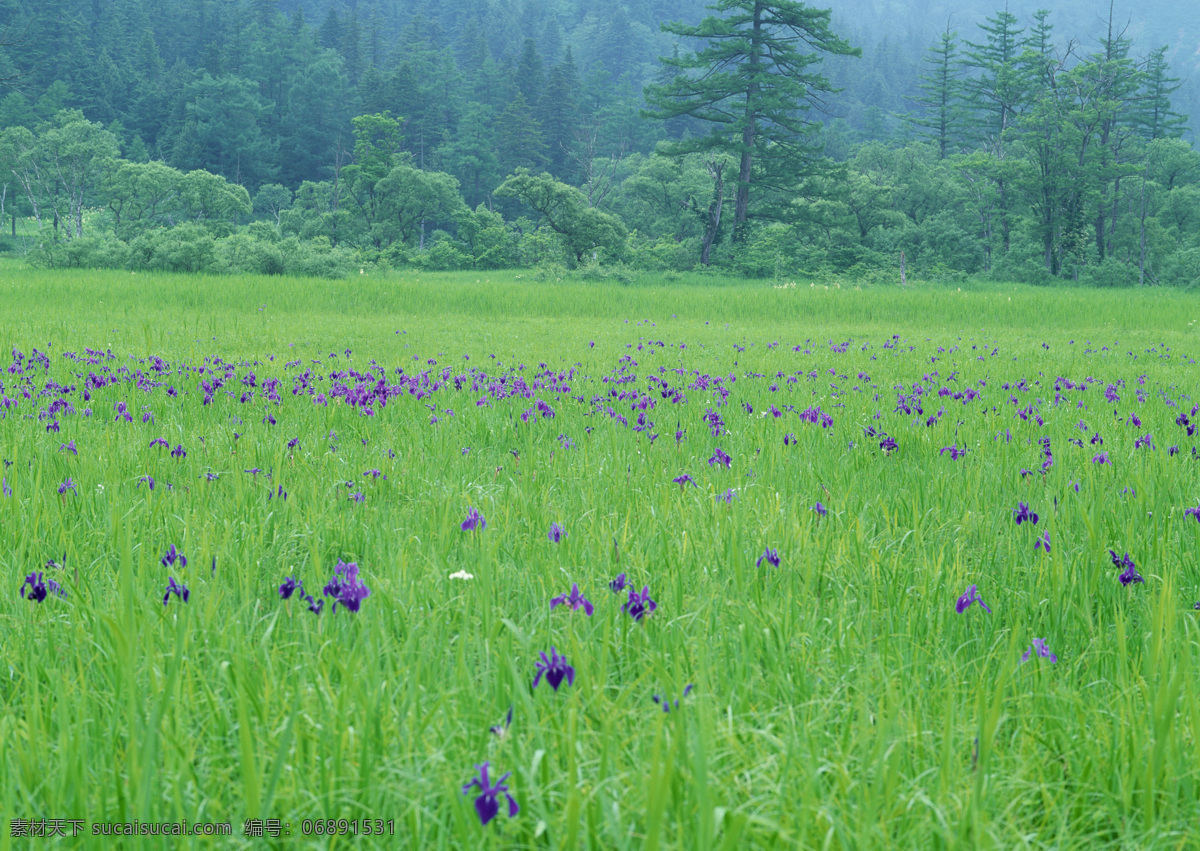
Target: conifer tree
point(941, 95)
point(752, 82)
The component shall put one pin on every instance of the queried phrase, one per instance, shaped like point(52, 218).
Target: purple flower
point(1194, 512)
point(180, 591)
point(683, 481)
point(820, 509)
point(1101, 459)
point(666, 702)
point(1130, 575)
point(474, 521)
point(1144, 440)
point(37, 588)
point(888, 444)
point(67, 485)
point(639, 605)
point(719, 456)
point(148, 480)
point(1022, 513)
point(501, 730)
point(618, 584)
point(179, 452)
point(290, 586)
point(173, 556)
point(345, 587)
point(1039, 646)
point(556, 533)
point(555, 668)
point(955, 452)
point(8, 490)
point(969, 597)
point(158, 441)
point(1043, 541)
point(727, 497)
point(487, 805)
point(770, 556)
point(68, 447)
point(575, 600)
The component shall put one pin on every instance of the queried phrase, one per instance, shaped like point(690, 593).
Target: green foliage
point(585, 230)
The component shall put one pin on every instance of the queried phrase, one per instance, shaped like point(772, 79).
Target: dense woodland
point(767, 139)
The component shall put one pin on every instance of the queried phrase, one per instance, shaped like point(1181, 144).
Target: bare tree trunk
point(713, 221)
point(903, 279)
point(1142, 246)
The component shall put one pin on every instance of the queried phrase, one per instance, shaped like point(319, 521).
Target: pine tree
point(520, 143)
point(559, 117)
point(754, 85)
point(941, 95)
point(1153, 117)
point(529, 77)
point(998, 92)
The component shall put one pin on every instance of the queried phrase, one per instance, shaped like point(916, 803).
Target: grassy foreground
point(839, 700)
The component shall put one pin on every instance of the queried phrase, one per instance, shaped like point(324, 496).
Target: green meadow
point(839, 699)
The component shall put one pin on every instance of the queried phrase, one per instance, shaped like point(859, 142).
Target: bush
point(188, 247)
point(85, 252)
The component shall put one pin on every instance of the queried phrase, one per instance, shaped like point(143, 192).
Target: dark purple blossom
point(179, 452)
point(1130, 575)
point(68, 447)
point(575, 600)
point(147, 480)
point(639, 605)
point(820, 509)
point(683, 481)
point(1194, 512)
point(1022, 513)
point(969, 597)
point(67, 485)
point(1144, 440)
point(769, 555)
point(1039, 647)
point(665, 702)
point(501, 730)
point(1043, 541)
point(158, 441)
point(719, 456)
point(1101, 459)
point(172, 557)
point(345, 587)
point(955, 452)
point(180, 591)
point(487, 804)
point(728, 496)
point(474, 521)
point(37, 588)
point(555, 668)
point(290, 586)
point(618, 585)
point(888, 444)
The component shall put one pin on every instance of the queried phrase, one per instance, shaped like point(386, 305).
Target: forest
point(766, 139)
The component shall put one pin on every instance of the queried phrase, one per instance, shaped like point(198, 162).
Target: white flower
point(462, 574)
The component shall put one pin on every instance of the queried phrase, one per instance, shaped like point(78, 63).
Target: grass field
point(276, 428)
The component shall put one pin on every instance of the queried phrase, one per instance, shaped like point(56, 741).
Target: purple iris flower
point(487, 805)
point(556, 532)
point(575, 600)
point(618, 584)
point(1130, 575)
point(970, 596)
point(179, 452)
point(501, 730)
point(1044, 541)
point(888, 444)
point(1039, 646)
point(727, 497)
point(1101, 459)
point(955, 452)
point(67, 485)
point(180, 591)
point(148, 480)
point(1144, 440)
point(770, 555)
point(683, 481)
point(639, 605)
point(37, 588)
point(720, 456)
point(173, 556)
point(68, 447)
point(345, 587)
point(474, 521)
point(820, 509)
point(1194, 512)
point(158, 441)
point(666, 702)
point(290, 586)
point(1022, 513)
point(555, 668)
point(8, 490)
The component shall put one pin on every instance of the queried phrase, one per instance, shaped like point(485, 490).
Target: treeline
point(1020, 155)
